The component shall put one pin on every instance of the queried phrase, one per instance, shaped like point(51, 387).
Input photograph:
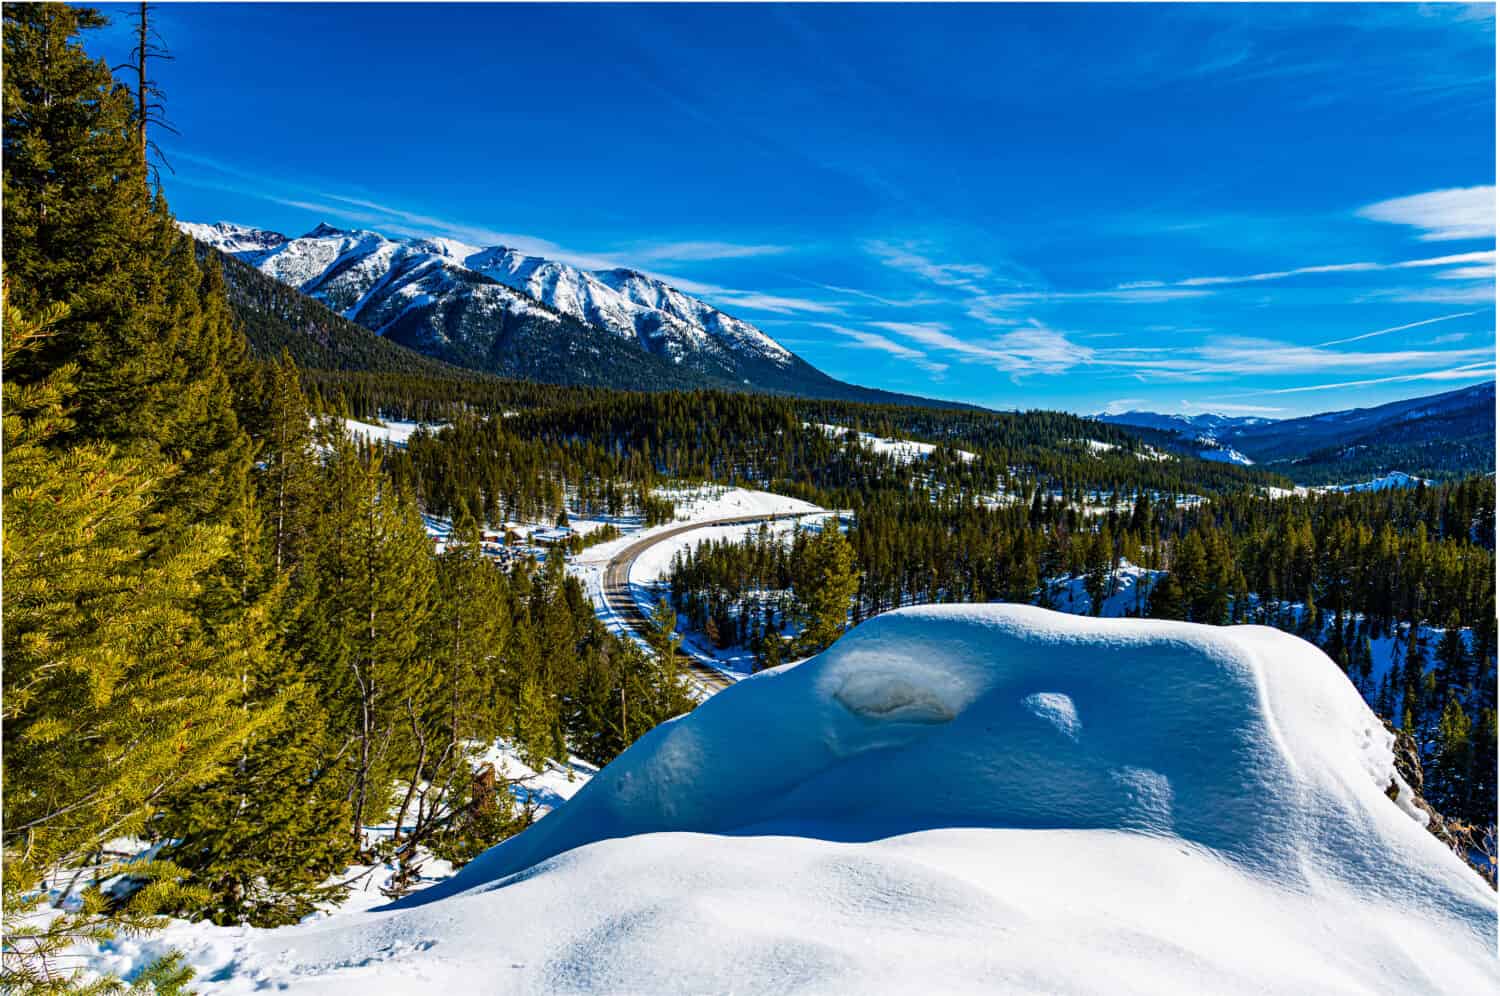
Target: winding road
point(621, 600)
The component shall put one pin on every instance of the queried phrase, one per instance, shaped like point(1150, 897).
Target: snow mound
point(967, 798)
point(1245, 740)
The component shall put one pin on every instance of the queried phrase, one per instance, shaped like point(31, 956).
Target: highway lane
point(618, 596)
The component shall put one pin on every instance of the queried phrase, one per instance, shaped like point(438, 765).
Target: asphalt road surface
point(618, 596)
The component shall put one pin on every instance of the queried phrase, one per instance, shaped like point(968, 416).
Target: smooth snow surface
point(395, 432)
point(960, 799)
point(1225, 454)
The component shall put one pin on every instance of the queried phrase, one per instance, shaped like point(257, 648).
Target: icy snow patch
point(1057, 709)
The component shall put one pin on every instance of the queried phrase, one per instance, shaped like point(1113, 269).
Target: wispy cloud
point(1245, 356)
point(1475, 293)
point(1031, 350)
point(1469, 273)
point(779, 304)
point(691, 252)
point(1225, 408)
point(1483, 256)
point(911, 258)
point(1139, 293)
point(1469, 371)
point(1441, 215)
point(1399, 328)
point(880, 343)
point(917, 301)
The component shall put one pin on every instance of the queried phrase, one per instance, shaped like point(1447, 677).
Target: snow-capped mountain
point(465, 303)
point(228, 237)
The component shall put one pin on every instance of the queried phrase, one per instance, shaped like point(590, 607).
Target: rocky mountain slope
point(499, 310)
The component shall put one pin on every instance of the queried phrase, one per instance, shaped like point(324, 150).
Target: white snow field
point(953, 799)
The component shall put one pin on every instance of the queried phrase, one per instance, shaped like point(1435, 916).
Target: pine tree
point(1096, 580)
point(1414, 668)
point(362, 628)
point(1452, 758)
point(662, 636)
point(532, 733)
point(149, 98)
point(1166, 600)
point(827, 581)
point(113, 700)
point(1452, 657)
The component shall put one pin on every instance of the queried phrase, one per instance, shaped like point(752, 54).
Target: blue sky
point(1252, 209)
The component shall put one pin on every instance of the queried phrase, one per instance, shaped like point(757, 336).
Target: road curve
point(618, 596)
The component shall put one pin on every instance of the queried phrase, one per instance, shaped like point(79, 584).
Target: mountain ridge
point(501, 311)
point(1434, 435)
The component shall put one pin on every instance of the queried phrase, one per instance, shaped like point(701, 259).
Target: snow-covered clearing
point(1225, 454)
point(1098, 447)
point(902, 450)
point(1129, 588)
point(956, 799)
point(394, 432)
point(1392, 479)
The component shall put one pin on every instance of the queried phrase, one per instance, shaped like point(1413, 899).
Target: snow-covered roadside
point(651, 568)
point(693, 505)
point(702, 504)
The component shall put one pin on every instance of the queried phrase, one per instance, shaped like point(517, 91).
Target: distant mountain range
point(1202, 425)
point(1440, 435)
point(501, 311)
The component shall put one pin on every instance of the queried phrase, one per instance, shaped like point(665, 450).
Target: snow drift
point(992, 798)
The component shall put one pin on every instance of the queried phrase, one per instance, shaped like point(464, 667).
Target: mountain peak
point(227, 236)
point(381, 282)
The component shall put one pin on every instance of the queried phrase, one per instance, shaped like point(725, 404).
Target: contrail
point(1398, 328)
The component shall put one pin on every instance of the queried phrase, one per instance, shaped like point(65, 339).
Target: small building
point(553, 536)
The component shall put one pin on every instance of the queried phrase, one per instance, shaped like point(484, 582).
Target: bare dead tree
point(150, 103)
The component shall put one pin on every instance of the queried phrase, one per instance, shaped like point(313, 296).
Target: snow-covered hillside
point(960, 799)
point(452, 289)
point(1394, 479)
point(1386, 481)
